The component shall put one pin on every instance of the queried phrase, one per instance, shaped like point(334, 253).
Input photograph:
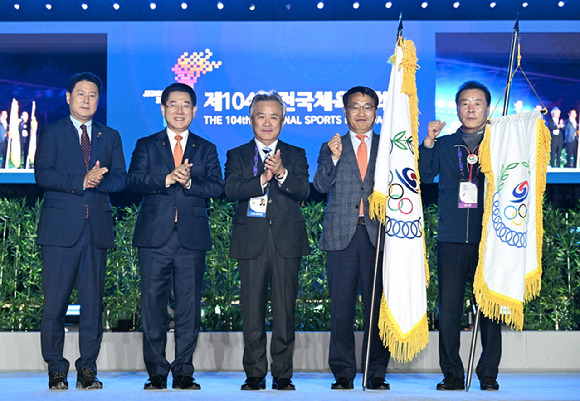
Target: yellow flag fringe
point(533, 280)
point(378, 206)
point(409, 86)
point(403, 347)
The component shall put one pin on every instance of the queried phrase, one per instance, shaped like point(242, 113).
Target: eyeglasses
point(367, 108)
point(176, 106)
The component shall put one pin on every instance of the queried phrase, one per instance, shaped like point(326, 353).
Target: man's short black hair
point(360, 89)
point(178, 87)
point(84, 76)
point(473, 85)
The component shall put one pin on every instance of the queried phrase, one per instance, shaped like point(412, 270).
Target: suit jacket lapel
point(96, 134)
point(249, 153)
point(165, 151)
point(349, 154)
point(374, 150)
point(73, 137)
point(190, 147)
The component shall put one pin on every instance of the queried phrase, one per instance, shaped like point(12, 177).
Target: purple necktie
point(85, 145)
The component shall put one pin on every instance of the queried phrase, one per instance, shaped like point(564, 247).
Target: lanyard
point(256, 160)
point(471, 160)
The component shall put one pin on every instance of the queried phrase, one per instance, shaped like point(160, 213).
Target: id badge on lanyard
point(258, 205)
point(467, 194)
point(467, 197)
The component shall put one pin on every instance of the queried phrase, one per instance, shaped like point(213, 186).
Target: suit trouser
point(456, 267)
point(84, 264)
point(556, 150)
point(571, 153)
point(170, 266)
point(348, 271)
point(282, 276)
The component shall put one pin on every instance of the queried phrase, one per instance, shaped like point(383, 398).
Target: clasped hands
point(181, 174)
point(272, 167)
point(94, 176)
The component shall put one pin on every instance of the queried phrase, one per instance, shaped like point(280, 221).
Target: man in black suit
point(556, 127)
point(176, 171)
point(24, 130)
point(268, 179)
point(78, 163)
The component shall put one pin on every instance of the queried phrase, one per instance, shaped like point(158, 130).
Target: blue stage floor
point(225, 386)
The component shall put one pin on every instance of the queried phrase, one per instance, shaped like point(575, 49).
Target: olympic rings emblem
point(403, 229)
point(396, 202)
point(503, 232)
point(517, 215)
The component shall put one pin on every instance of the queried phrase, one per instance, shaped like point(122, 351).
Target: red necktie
point(361, 159)
point(85, 145)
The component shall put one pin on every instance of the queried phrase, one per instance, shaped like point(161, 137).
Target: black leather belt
point(361, 220)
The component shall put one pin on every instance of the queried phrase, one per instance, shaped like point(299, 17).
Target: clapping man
point(268, 179)
point(176, 171)
point(78, 163)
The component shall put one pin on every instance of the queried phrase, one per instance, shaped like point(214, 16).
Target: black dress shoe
point(254, 383)
point(57, 381)
point(185, 382)
point(488, 383)
point(281, 383)
point(342, 383)
point(87, 379)
point(156, 382)
point(451, 382)
point(378, 383)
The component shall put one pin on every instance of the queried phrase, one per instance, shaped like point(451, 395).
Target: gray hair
point(263, 96)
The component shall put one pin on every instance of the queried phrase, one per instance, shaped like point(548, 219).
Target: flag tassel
point(403, 346)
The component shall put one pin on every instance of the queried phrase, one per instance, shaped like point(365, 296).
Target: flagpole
point(511, 62)
point(511, 66)
point(377, 263)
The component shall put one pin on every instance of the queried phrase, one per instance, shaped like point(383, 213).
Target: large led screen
point(310, 63)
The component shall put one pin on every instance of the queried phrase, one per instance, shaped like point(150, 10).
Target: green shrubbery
point(558, 307)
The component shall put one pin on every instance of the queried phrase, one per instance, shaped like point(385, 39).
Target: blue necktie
point(266, 151)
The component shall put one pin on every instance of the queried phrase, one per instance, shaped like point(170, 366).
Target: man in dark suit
point(24, 130)
point(556, 127)
point(268, 179)
point(346, 170)
point(78, 163)
point(176, 171)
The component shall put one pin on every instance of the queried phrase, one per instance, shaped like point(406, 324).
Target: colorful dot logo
point(189, 68)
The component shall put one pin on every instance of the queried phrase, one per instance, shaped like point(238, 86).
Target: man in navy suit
point(268, 179)
point(176, 171)
point(78, 163)
point(349, 238)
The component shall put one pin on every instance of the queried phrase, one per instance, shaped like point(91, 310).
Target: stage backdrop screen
point(310, 64)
